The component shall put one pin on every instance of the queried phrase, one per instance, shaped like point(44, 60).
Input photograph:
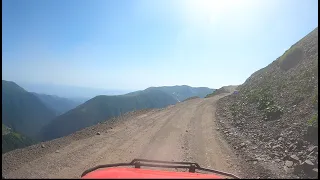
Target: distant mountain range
point(34, 116)
point(74, 93)
point(101, 108)
point(58, 104)
point(25, 113)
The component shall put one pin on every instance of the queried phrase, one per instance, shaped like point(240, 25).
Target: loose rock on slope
point(277, 110)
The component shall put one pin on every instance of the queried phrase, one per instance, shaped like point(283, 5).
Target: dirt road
point(184, 132)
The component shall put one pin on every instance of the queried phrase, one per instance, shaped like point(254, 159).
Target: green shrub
point(234, 109)
point(273, 112)
point(265, 101)
point(313, 121)
point(262, 97)
point(15, 140)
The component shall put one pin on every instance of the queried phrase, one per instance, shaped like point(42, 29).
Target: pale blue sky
point(134, 44)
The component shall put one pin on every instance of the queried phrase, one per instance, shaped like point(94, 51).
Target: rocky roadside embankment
point(272, 120)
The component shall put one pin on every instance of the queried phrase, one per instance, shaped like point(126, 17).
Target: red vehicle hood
point(144, 173)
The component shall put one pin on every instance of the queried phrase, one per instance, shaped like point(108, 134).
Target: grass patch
point(18, 136)
point(313, 121)
point(265, 102)
point(312, 131)
point(15, 140)
point(273, 112)
point(261, 96)
point(290, 58)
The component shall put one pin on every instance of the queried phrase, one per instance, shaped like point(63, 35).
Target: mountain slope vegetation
point(12, 140)
point(22, 111)
point(276, 110)
point(58, 104)
point(101, 108)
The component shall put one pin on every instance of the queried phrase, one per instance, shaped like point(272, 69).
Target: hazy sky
point(134, 44)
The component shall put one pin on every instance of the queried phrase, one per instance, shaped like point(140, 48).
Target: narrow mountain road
point(184, 132)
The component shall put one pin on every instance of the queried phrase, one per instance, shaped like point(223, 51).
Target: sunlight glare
point(210, 10)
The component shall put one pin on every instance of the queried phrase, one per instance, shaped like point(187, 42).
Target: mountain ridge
point(58, 104)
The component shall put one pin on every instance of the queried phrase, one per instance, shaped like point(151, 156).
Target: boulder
point(277, 147)
point(294, 158)
point(308, 163)
point(288, 170)
point(313, 148)
point(277, 160)
point(289, 163)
